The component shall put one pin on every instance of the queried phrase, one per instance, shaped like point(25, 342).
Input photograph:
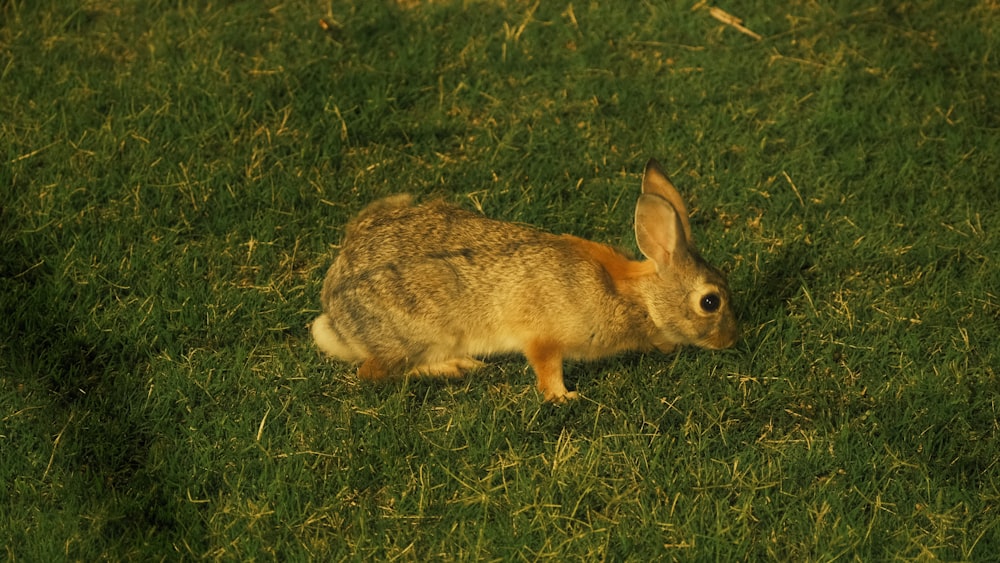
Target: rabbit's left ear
point(659, 231)
point(655, 181)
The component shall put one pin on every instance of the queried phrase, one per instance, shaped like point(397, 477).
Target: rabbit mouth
point(721, 340)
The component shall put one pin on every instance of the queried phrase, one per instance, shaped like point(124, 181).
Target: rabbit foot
point(564, 398)
point(372, 369)
point(455, 367)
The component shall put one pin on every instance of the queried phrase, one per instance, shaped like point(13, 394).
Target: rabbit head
point(688, 300)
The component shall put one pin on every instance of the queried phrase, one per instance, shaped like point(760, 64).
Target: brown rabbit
point(425, 289)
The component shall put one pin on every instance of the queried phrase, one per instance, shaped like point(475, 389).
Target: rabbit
point(426, 289)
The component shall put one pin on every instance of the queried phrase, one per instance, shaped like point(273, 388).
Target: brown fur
point(425, 289)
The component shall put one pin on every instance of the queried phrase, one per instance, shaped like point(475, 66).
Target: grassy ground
point(175, 177)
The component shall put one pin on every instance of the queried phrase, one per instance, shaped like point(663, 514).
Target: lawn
point(175, 178)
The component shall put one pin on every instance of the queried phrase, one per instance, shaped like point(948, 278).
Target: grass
point(175, 177)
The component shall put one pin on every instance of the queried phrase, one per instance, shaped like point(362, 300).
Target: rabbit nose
point(727, 337)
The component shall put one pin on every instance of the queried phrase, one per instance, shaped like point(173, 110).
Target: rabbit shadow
point(765, 293)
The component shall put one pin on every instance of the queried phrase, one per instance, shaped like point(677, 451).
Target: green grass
point(175, 177)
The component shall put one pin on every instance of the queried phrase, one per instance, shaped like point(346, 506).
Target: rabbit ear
point(655, 181)
point(658, 230)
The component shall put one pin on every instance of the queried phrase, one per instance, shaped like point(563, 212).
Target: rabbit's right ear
point(659, 231)
point(655, 181)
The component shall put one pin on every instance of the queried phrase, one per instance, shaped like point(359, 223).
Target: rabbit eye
point(710, 303)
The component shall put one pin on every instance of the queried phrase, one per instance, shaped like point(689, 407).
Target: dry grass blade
point(732, 21)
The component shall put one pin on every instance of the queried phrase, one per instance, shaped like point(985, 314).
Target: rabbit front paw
point(561, 399)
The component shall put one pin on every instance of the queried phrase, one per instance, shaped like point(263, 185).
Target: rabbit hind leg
point(454, 367)
point(374, 369)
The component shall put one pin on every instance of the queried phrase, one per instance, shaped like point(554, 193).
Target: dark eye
point(710, 303)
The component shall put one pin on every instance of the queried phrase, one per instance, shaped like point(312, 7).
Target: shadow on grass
point(782, 278)
point(88, 388)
